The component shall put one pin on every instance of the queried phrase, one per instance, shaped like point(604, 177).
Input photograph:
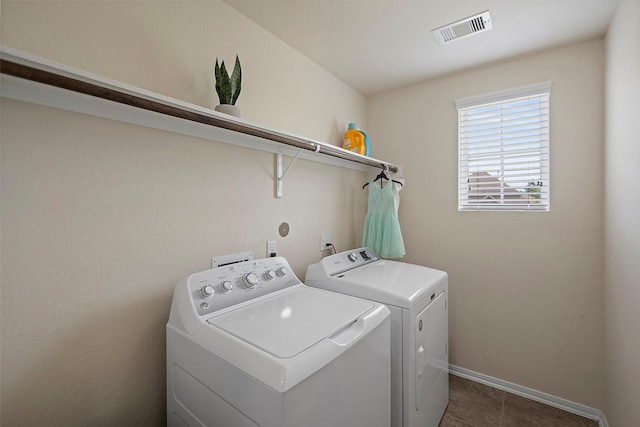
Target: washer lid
point(289, 323)
point(388, 282)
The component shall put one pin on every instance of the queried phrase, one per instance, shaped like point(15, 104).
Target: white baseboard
point(538, 396)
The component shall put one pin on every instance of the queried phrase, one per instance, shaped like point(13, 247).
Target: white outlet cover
point(272, 247)
point(324, 239)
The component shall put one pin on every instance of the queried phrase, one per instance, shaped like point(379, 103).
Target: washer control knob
point(249, 280)
point(207, 291)
point(282, 271)
point(269, 275)
point(352, 257)
point(226, 286)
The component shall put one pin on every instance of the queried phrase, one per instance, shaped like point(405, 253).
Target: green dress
point(381, 225)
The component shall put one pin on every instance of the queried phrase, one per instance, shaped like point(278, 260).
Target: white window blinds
point(503, 150)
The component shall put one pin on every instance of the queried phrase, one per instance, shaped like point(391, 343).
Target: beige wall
point(100, 219)
point(525, 288)
point(622, 219)
point(170, 47)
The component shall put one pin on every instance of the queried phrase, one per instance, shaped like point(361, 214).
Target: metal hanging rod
point(25, 66)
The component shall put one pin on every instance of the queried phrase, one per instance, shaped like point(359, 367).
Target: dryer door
point(432, 360)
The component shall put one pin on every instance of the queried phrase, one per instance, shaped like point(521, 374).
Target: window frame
point(537, 91)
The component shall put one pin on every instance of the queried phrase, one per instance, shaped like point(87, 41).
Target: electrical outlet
point(272, 248)
point(324, 240)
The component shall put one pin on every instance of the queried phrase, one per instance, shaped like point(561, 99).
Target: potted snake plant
point(228, 87)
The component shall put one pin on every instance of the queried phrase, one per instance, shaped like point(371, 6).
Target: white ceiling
point(376, 46)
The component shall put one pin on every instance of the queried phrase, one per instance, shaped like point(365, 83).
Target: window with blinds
point(503, 150)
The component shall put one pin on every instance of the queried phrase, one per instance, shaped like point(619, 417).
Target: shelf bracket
point(280, 174)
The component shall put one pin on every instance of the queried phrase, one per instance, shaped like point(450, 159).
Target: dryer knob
point(249, 280)
point(226, 286)
point(282, 271)
point(207, 291)
point(269, 275)
point(352, 257)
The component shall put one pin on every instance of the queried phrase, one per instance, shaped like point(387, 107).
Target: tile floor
point(472, 404)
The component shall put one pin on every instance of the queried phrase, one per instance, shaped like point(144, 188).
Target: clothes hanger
point(383, 175)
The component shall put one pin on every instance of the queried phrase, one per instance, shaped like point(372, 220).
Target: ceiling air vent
point(463, 28)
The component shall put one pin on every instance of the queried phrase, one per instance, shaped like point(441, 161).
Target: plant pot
point(229, 109)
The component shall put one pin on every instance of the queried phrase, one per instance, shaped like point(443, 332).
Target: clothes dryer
point(249, 345)
point(417, 297)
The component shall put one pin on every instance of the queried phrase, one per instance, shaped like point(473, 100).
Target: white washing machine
point(417, 298)
point(249, 345)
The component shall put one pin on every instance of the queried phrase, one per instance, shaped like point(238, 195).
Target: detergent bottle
point(354, 140)
point(366, 143)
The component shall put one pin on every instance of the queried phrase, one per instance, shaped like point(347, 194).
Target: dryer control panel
point(222, 287)
point(345, 261)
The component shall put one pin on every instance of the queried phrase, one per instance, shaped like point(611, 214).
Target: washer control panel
point(345, 261)
point(222, 287)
